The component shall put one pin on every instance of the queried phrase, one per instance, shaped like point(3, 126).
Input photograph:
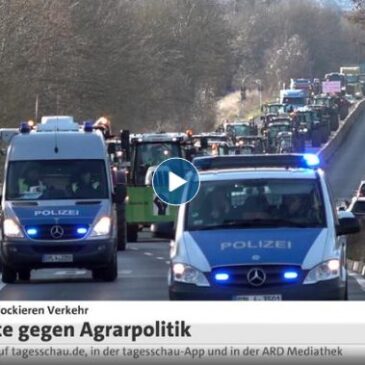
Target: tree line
point(160, 64)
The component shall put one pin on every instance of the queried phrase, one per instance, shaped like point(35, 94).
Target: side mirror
point(111, 148)
point(348, 224)
point(163, 230)
point(124, 141)
point(120, 193)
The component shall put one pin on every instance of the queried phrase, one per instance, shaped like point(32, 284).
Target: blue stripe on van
point(80, 214)
point(259, 246)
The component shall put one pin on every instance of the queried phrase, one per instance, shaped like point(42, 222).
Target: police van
point(262, 227)
point(57, 201)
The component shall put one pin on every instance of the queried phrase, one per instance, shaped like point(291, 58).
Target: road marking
point(148, 253)
point(133, 248)
point(160, 258)
point(60, 273)
point(124, 272)
point(80, 272)
point(167, 262)
point(360, 279)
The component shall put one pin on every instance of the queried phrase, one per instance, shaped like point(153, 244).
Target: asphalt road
point(142, 276)
point(143, 266)
point(347, 167)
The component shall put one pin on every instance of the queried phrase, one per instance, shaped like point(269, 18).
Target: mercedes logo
point(57, 232)
point(256, 277)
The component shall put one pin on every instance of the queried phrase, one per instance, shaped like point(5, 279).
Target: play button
point(175, 181)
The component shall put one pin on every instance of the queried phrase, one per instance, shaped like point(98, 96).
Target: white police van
point(262, 227)
point(57, 201)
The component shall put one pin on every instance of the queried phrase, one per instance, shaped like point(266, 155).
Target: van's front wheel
point(8, 275)
point(108, 273)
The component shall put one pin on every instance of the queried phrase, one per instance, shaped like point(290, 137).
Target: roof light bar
point(88, 127)
point(204, 163)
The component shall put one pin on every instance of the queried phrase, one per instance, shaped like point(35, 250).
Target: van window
point(294, 101)
point(257, 203)
point(359, 207)
point(56, 179)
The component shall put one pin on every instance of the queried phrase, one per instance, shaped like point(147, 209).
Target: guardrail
point(325, 154)
point(333, 144)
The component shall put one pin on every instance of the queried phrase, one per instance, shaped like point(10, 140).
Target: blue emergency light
point(221, 276)
point(88, 126)
point(311, 159)
point(81, 230)
point(32, 231)
point(24, 128)
point(290, 275)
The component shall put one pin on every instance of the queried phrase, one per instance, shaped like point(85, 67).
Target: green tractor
point(309, 121)
point(142, 153)
point(324, 118)
point(330, 107)
point(283, 124)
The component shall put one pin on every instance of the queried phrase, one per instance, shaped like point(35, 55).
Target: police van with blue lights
point(262, 227)
point(57, 201)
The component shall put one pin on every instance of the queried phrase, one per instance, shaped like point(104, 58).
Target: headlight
point(183, 273)
point(102, 227)
point(12, 229)
point(325, 271)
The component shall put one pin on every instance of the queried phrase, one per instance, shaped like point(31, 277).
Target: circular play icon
point(176, 181)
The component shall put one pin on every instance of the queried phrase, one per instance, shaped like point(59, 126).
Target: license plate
point(57, 258)
point(258, 298)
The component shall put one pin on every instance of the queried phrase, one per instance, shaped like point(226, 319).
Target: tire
point(132, 232)
point(9, 275)
point(108, 273)
point(24, 275)
point(121, 228)
point(316, 138)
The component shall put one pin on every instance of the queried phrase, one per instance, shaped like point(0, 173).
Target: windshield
point(305, 118)
point(56, 179)
point(276, 128)
point(322, 101)
point(352, 78)
point(263, 203)
point(276, 109)
point(304, 85)
point(359, 207)
point(334, 77)
point(152, 154)
point(294, 101)
point(240, 130)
